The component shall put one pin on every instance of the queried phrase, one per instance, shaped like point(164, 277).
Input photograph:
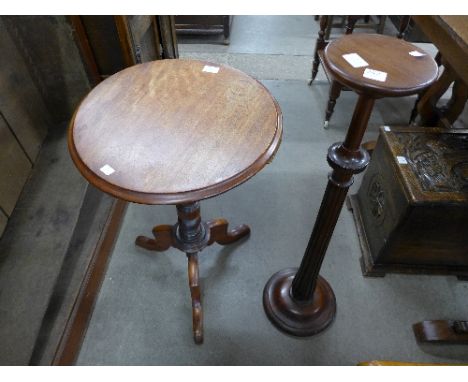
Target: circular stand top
point(174, 131)
point(395, 67)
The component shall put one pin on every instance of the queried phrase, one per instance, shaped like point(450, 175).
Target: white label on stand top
point(375, 75)
point(386, 128)
point(415, 53)
point(355, 60)
point(210, 69)
point(401, 160)
point(106, 169)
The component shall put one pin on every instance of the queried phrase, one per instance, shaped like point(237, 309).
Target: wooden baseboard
point(77, 323)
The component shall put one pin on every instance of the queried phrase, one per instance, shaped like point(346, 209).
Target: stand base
point(300, 319)
point(166, 236)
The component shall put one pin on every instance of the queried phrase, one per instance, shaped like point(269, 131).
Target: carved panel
point(439, 161)
point(376, 197)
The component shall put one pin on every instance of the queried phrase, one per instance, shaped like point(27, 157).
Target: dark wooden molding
point(85, 49)
point(72, 337)
point(126, 40)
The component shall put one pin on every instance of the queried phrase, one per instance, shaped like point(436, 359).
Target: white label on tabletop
point(375, 75)
point(401, 160)
point(387, 128)
point(211, 69)
point(415, 53)
point(355, 60)
point(106, 169)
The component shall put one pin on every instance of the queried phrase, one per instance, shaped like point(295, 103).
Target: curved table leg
point(190, 235)
point(220, 234)
point(162, 239)
point(197, 311)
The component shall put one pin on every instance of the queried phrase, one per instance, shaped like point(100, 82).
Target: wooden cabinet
point(209, 24)
point(109, 44)
point(411, 209)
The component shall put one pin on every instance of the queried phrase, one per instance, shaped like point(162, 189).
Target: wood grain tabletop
point(174, 131)
point(405, 74)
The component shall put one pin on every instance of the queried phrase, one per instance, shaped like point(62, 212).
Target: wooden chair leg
point(350, 23)
point(195, 293)
point(335, 91)
point(319, 45)
point(403, 27)
point(381, 26)
point(328, 27)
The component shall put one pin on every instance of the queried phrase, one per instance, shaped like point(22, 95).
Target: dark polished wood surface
point(406, 74)
point(173, 132)
point(411, 209)
point(301, 302)
point(450, 35)
point(442, 332)
point(176, 132)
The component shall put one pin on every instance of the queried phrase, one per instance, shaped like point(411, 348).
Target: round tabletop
point(174, 131)
point(380, 66)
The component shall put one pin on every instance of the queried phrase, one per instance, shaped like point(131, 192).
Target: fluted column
point(301, 302)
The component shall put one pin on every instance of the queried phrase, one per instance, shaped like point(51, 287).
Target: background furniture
point(204, 25)
point(411, 210)
point(299, 301)
point(441, 332)
point(326, 23)
point(109, 44)
point(53, 61)
point(176, 132)
point(345, 22)
point(450, 35)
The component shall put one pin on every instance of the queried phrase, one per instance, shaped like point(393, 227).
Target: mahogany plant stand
point(177, 132)
point(299, 301)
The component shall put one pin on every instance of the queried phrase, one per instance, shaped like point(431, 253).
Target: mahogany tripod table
point(176, 132)
point(299, 301)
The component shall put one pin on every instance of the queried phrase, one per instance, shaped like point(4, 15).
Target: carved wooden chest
point(411, 210)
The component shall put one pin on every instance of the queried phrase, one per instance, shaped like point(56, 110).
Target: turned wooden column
point(346, 159)
point(299, 301)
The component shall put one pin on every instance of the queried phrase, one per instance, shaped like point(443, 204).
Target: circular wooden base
point(294, 317)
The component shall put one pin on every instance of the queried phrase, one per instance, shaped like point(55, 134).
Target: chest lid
point(432, 163)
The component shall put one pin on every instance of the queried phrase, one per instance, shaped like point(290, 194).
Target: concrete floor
point(143, 313)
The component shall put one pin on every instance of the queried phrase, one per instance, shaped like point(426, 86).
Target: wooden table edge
point(186, 196)
point(371, 88)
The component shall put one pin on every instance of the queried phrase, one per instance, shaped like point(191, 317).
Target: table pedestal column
point(299, 301)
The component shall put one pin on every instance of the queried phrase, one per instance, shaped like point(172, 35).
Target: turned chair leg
point(335, 91)
point(319, 45)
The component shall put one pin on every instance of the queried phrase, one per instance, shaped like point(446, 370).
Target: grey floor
point(143, 313)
